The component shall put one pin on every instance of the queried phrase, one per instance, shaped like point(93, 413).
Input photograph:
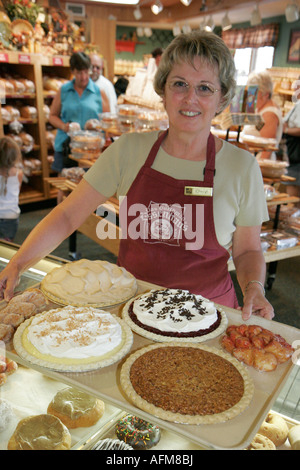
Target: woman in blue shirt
point(77, 101)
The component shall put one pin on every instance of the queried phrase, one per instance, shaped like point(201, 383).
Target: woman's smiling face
point(187, 111)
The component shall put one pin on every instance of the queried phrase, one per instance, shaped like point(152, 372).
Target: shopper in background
point(97, 67)
point(76, 102)
point(174, 233)
point(156, 54)
point(121, 86)
point(291, 129)
point(11, 176)
point(269, 111)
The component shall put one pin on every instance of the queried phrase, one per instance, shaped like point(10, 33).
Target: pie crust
point(188, 386)
point(153, 336)
point(27, 351)
point(93, 283)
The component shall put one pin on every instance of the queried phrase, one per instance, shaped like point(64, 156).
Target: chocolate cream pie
point(174, 314)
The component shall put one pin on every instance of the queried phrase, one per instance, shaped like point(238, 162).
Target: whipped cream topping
point(75, 333)
point(175, 310)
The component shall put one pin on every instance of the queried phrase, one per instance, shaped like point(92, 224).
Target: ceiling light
point(210, 24)
point(255, 17)
point(186, 2)
point(226, 23)
point(157, 7)
point(123, 2)
point(291, 13)
point(137, 13)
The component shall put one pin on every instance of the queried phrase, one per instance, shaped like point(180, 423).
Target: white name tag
point(196, 191)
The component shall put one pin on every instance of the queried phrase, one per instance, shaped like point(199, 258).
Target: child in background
point(10, 184)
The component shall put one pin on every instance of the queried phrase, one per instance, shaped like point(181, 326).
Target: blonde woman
point(188, 198)
point(269, 111)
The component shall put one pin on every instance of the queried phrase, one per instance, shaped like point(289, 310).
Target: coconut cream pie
point(85, 282)
point(169, 314)
point(187, 383)
point(73, 339)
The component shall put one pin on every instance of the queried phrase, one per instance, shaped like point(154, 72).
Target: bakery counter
point(278, 389)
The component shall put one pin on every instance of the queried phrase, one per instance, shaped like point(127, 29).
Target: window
point(249, 60)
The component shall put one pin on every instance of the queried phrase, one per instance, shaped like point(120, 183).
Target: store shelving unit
point(34, 67)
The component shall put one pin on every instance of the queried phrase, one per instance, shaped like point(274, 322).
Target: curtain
point(256, 36)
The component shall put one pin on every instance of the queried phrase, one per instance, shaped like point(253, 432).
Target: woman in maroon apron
point(168, 227)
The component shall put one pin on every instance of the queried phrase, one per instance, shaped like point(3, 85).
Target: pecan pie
point(187, 383)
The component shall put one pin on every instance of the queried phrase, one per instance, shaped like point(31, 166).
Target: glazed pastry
point(76, 408)
point(40, 432)
point(111, 444)
point(261, 442)
point(137, 432)
point(275, 428)
point(294, 437)
point(13, 319)
point(6, 332)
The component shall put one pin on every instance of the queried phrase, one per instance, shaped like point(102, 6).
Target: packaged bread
point(7, 86)
point(46, 111)
point(28, 112)
point(28, 142)
point(51, 84)
point(50, 138)
point(19, 87)
point(28, 84)
point(17, 139)
point(13, 111)
point(5, 114)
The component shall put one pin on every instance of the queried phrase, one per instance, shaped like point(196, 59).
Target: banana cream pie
point(89, 283)
point(73, 339)
point(169, 314)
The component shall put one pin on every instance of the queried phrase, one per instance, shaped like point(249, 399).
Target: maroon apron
point(168, 232)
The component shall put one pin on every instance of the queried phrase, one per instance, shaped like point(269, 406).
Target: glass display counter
point(42, 383)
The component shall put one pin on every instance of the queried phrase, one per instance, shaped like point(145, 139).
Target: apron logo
point(169, 224)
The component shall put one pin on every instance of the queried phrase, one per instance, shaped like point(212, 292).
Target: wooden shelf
point(32, 67)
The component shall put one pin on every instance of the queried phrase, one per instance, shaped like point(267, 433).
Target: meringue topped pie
point(73, 339)
point(174, 314)
point(89, 283)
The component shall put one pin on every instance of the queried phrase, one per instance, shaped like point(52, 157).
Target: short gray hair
point(209, 47)
point(263, 80)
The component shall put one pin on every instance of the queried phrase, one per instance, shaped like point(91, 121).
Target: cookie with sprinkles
point(137, 432)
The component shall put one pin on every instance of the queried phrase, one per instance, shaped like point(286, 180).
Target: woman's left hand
point(255, 303)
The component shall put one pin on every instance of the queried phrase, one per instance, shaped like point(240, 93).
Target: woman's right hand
point(9, 279)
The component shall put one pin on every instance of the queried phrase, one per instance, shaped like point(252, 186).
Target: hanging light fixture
point(140, 32)
point(157, 7)
point(292, 13)
point(148, 32)
point(122, 2)
point(226, 23)
point(176, 30)
point(186, 2)
point(210, 24)
point(137, 13)
point(186, 28)
point(255, 17)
